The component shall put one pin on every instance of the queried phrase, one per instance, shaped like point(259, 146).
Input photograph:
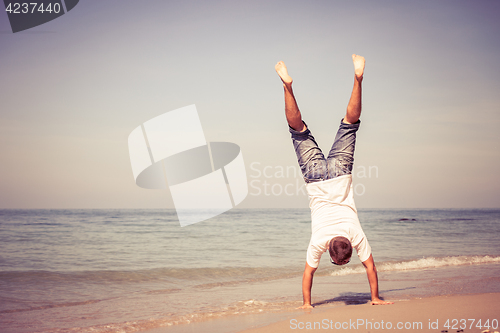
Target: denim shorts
point(311, 160)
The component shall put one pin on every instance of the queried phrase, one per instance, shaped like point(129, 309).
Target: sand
point(435, 314)
point(442, 314)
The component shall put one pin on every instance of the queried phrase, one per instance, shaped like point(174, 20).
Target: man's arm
point(371, 272)
point(307, 281)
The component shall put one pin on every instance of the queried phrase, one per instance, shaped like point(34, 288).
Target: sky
point(73, 89)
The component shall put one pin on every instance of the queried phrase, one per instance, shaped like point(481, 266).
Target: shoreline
point(452, 313)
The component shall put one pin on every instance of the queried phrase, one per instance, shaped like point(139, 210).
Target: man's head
point(340, 250)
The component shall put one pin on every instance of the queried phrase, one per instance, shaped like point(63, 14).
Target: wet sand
point(442, 314)
point(458, 313)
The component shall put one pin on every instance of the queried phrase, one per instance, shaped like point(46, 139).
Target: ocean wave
point(204, 275)
point(51, 306)
point(420, 264)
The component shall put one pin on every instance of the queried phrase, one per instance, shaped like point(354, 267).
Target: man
point(335, 224)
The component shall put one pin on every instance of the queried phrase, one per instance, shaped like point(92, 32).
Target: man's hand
point(378, 301)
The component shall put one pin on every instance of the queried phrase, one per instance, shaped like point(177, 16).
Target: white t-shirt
point(333, 213)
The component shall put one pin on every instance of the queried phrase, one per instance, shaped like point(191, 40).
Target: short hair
point(340, 250)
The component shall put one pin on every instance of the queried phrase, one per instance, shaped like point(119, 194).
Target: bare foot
point(359, 65)
point(283, 73)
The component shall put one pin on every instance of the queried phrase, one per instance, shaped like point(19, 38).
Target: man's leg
point(354, 107)
point(341, 156)
point(292, 111)
point(310, 157)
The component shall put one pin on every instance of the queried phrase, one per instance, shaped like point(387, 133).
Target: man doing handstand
point(334, 218)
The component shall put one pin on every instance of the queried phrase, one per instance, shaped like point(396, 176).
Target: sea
point(122, 270)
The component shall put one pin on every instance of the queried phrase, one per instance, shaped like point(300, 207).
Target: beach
point(104, 271)
point(450, 313)
point(456, 308)
point(171, 166)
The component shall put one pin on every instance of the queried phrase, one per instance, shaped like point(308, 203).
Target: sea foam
point(423, 263)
